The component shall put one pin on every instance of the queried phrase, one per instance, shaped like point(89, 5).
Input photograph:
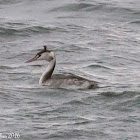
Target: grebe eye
point(39, 55)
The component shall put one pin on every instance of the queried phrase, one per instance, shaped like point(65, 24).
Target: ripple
point(97, 66)
point(124, 94)
point(74, 133)
point(76, 102)
point(9, 2)
point(74, 7)
point(92, 7)
point(135, 22)
point(27, 31)
point(5, 67)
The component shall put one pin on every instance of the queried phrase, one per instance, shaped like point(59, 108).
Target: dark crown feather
point(45, 47)
point(44, 50)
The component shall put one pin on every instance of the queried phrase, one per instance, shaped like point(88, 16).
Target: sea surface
point(95, 39)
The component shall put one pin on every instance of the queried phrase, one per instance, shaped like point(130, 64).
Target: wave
point(27, 31)
point(76, 7)
point(5, 67)
point(124, 94)
point(92, 7)
point(7, 2)
point(76, 133)
point(135, 22)
point(137, 13)
point(75, 102)
point(97, 66)
point(127, 101)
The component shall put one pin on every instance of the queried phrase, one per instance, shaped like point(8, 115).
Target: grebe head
point(43, 55)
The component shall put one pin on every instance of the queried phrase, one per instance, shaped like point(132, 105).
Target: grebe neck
point(48, 72)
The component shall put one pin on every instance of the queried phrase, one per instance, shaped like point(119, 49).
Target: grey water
point(97, 40)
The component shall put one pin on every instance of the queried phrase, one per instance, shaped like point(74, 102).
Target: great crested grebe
point(60, 80)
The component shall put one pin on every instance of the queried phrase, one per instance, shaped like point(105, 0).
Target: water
point(98, 40)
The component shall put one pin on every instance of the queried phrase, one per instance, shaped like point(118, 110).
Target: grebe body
point(59, 80)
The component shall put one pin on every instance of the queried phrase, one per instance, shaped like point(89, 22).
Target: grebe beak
point(33, 59)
